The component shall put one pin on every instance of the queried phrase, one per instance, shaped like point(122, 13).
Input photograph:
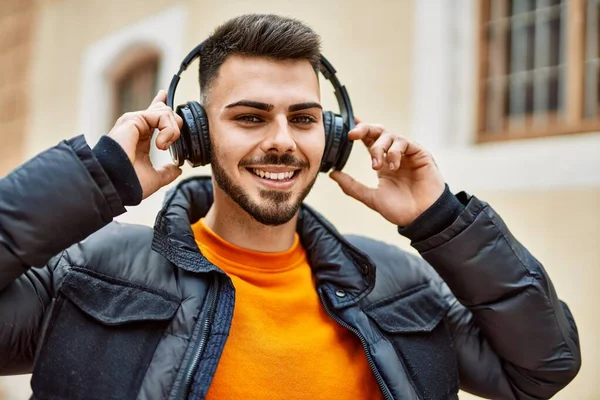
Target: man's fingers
point(384, 146)
point(164, 120)
point(175, 124)
point(353, 188)
point(397, 149)
point(179, 121)
point(166, 137)
point(161, 97)
point(387, 149)
point(363, 131)
point(138, 120)
point(168, 173)
point(379, 149)
point(169, 131)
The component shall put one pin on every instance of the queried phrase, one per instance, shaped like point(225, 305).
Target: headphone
point(193, 144)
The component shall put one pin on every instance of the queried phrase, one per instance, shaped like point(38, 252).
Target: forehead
point(261, 79)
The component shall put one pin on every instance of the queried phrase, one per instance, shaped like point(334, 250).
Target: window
point(134, 80)
point(539, 63)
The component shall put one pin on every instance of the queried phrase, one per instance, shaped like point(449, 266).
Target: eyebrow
point(251, 104)
point(268, 107)
point(304, 106)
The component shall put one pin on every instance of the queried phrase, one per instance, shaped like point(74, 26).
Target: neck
point(228, 220)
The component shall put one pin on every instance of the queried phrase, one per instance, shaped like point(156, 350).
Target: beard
point(278, 206)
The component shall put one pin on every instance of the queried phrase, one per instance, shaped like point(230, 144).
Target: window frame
point(131, 59)
point(573, 120)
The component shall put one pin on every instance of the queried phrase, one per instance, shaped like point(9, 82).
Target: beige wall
point(16, 26)
point(367, 45)
point(371, 48)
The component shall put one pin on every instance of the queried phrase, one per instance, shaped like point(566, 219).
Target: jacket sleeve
point(513, 337)
point(54, 200)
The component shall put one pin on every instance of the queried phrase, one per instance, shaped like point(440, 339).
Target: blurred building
point(505, 93)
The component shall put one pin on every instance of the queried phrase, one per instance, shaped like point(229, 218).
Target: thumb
point(353, 188)
point(168, 173)
point(161, 97)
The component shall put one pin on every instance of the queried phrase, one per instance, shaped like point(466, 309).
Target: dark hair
point(257, 35)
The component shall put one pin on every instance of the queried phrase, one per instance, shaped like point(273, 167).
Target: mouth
point(275, 177)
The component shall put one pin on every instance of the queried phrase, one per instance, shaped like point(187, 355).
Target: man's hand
point(133, 131)
point(409, 180)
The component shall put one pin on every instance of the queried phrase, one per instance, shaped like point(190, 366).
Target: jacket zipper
point(201, 344)
point(384, 390)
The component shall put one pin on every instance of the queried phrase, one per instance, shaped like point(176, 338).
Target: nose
point(279, 137)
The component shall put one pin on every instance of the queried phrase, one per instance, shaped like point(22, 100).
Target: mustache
point(287, 160)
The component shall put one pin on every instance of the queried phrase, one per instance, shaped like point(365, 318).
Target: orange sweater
point(282, 343)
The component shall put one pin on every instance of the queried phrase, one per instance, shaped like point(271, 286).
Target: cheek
point(312, 147)
point(228, 149)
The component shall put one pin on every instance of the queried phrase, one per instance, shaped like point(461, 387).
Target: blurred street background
point(504, 93)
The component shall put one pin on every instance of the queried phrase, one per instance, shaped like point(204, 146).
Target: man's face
point(267, 134)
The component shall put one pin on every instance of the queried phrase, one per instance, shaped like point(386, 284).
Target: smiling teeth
point(276, 176)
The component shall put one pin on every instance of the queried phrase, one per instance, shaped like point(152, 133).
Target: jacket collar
point(336, 264)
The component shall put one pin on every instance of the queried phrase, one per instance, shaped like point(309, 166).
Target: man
point(242, 292)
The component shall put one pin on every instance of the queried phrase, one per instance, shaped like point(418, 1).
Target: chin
point(269, 204)
point(269, 218)
point(273, 208)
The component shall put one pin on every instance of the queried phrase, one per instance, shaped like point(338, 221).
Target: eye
point(249, 119)
point(304, 119)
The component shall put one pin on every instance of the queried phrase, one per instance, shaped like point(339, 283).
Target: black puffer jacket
point(136, 313)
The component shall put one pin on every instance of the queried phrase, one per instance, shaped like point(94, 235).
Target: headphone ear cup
point(193, 144)
point(345, 146)
point(200, 143)
point(326, 162)
point(180, 150)
point(336, 135)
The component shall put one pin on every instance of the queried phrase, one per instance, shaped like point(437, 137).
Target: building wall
point(378, 52)
point(16, 28)
point(547, 189)
point(377, 78)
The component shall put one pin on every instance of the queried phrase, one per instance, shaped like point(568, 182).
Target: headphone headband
point(328, 71)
